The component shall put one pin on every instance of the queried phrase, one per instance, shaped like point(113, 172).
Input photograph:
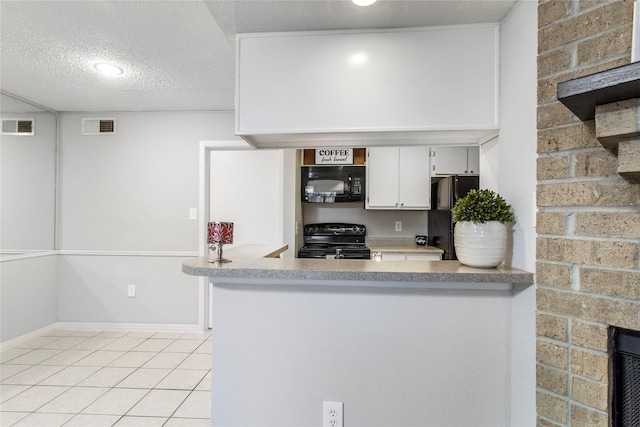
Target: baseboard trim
point(95, 326)
point(14, 342)
point(134, 327)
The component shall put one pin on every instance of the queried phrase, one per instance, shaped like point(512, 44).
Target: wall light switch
point(131, 291)
point(193, 214)
point(398, 225)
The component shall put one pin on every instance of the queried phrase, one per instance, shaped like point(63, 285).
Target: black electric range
point(339, 240)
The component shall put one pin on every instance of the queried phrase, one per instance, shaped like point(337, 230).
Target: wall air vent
point(18, 127)
point(98, 126)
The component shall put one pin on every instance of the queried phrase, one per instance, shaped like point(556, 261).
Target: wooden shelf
point(581, 95)
point(612, 98)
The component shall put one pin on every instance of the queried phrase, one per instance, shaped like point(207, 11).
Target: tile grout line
point(190, 390)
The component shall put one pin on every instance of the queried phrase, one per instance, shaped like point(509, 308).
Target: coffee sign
point(334, 156)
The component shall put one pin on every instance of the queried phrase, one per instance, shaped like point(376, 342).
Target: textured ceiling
point(177, 55)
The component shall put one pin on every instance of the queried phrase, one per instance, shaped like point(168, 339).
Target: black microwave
point(332, 184)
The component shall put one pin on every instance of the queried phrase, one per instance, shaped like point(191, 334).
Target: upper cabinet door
point(382, 178)
point(441, 81)
point(398, 178)
point(455, 160)
point(415, 180)
point(449, 160)
point(473, 160)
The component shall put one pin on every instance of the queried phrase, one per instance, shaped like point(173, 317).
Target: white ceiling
point(177, 55)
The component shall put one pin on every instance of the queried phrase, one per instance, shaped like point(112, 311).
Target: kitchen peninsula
point(357, 273)
point(398, 342)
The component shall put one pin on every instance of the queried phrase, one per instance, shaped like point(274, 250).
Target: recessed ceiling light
point(108, 69)
point(357, 59)
point(363, 2)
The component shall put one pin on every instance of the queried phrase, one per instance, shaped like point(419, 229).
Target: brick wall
point(588, 224)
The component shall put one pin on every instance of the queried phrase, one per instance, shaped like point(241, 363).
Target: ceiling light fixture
point(363, 2)
point(108, 69)
point(358, 59)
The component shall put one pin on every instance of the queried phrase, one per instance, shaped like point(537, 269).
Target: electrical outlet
point(131, 291)
point(332, 415)
point(193, 214)
point(398, 225)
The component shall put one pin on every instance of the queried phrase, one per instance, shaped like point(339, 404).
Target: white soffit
point(177, 55)
point(250, 16)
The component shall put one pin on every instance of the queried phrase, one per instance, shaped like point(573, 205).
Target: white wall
point(124, 216)
point(292, 207)
point(28, 287)
point(28, 295)
point(490, 164)
point(94, 289)
point(247, 189)
point(395, 357)
point(133, 190)
point(27, 182)
point(517, 159)
point(517, 183)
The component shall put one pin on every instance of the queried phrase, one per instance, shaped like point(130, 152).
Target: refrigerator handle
point(454, 184)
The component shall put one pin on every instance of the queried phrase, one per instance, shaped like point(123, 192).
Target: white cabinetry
point(334, 87)
point(408, 256)
point(398, 178)
point(392, 256)
point(423, 257)
point(455, 160)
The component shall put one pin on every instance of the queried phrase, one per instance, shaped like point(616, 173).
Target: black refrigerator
point(445, 191)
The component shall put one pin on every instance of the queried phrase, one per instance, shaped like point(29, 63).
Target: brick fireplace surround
point(588, 223)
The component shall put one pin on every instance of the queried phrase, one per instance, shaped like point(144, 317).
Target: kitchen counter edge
point(299, 270)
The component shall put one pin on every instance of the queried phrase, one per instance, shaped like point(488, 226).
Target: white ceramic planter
point(481, 245)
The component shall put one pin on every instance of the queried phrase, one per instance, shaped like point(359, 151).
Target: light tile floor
point(103, 378)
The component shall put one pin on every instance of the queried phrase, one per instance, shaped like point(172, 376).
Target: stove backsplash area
point(379, 223)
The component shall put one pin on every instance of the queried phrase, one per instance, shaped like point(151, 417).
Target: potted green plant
point(480, 233)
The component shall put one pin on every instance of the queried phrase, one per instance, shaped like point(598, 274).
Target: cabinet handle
point(401, 204)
